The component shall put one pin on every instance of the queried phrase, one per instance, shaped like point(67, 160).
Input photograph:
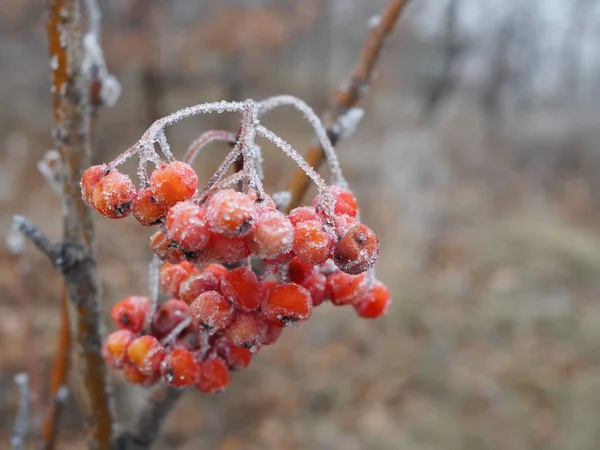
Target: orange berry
point(345, 289)
point(375, 303)
point(242, 287)
point(166, 249)
point(130, 313)
point(345, 202)
point(186, 224)
point(236, 358)
point(303, 214)
point(288, 304)
point(231, 213)
point(226, 250)
point(146, 354)
point(214, 376)
point(247, 331)
point(273, 235)
point(88, 182)
point(114, 195)
point(133, 375)
point(147, 210)
point(180, 368)
point(343, 224)
point(357, 251)
point(217, 270)
point(168, 315)
point(312, 243)
point(195, 285)
point(173, 182)
point(172, 275)
point(211, 312)
point(115, 346)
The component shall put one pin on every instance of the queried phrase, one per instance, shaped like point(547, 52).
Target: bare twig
point(21, 428)
point(350, 93)
point(58, 377)
point(75, 256)
point(148, 425)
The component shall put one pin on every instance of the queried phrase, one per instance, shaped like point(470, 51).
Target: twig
point(21, 428)
point(149, 423)
point(58, 377)
point(350, 93)
point(72, 140)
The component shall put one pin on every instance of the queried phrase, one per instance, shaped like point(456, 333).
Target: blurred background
point(476, 164)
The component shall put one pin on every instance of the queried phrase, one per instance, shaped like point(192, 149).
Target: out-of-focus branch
point(21, 428)
point(70, 90)
point(148, 425)
point(58, 379)
point(350, 93)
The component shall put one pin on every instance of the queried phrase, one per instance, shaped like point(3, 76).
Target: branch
point(351, 92)
point(21, 428)
point(148, 425)
point(72, 140)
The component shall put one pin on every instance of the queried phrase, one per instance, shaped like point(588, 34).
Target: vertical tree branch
point(348, 95)
point(71, 135)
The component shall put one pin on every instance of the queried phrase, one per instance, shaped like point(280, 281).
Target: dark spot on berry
point(290, 321)
point(169, 375)
point(125, 319)
point(245, 227)
point(123, 208)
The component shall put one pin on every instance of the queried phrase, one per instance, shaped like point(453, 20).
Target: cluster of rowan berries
point(221, 309)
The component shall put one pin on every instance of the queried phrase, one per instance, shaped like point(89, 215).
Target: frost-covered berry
point(113, 195)
point(147, 210)
point(211, 312)
point(166, 248)
point(242, 287)
point(226, 250)
point(168, 315)
point(186, 224)
point(146, 354)
point(248, 330)
point(375, 303)
point(231, 213)
point(180, 368)
point(195, 285)
point(303, 214)
point(115, 346)
point(273, 333)
point(357, 251)
point(130, 313)
point(315, 284)
point(173, 182)
point(273, 235)
point(214, 376)
point(89, 179)
point(134, 375)
point(345, 289)
point(345, 202)
point(343, 224)
point(312, 243)
point(236, 358)
point(288, 304)
point(172, 275)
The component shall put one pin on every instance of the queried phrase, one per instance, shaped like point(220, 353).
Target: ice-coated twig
point(40, 240)
point(206, 138)
point(322, 136)
point(220, 172)
point(176, 331)
point(148, 425)
point(347, 123)
point(281, 199)
point(164, 146)
point(327, 199)
point(153, 289)
point(21, 428)
point(49, 167)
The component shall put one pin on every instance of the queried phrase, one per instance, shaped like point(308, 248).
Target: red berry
point(236, 358)
point(133, 375)
point(312, 243)
point(89, 179)
point(168, 315)
point(272, 236)
point(226, 250)
point(299, 271)
point(343, 224)
point(147, 210)
point(186, 224)
point(288, 304)
point(113, 195)
point(344, 289)
point(115, 347)
point(303, 214)
point(180, 368)
point(242, 287)
point(375, 303)
point(247, 331)
point(211, 312)
point(357, 251)
point(315, 284)
point(214, 376)
point(345, 203)
point(273, 333)
point(173, 182)
point(130, 313)
point(166, 249)
point(195, 285)
point(231, 213)
point(172, 275)
point(146, 354)
point(217, 270)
